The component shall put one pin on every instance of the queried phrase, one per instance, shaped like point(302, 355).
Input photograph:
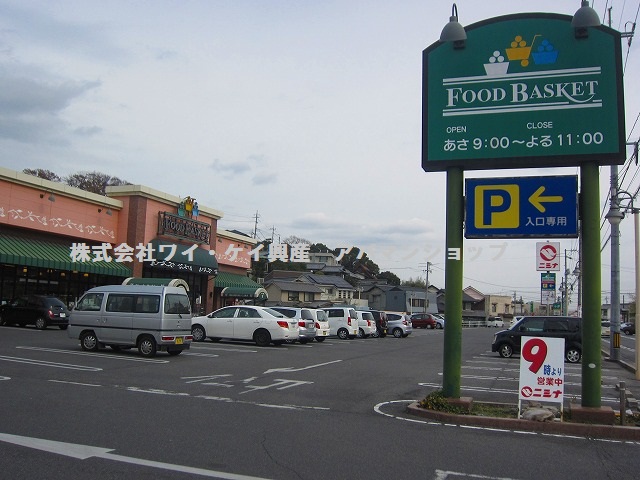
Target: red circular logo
point(526, 392)
point(548, 253)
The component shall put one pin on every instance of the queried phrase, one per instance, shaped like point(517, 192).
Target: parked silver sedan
point(398, 324)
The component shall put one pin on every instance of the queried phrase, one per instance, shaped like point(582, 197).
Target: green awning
point(163, 282)
point(176, 259)
point(16, 249)
point(239, 286)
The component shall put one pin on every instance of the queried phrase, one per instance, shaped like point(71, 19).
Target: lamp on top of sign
point(548, 256)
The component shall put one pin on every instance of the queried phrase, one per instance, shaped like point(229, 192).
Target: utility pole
point(426, 298)
point(565, 300)
point(255, 228)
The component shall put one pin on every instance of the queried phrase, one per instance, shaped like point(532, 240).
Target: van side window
point(120, 303)
point(174, 303)
point(91, 302)
point(148, 303)
point(532, 325)
point(552, 325)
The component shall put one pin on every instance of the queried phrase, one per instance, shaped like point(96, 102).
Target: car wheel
point(626, 332)
point(505, 350)
point(360, 333)
point(262, 338)
point(3, 322)
point(173, 353)
point(198, 333)
point(89, 341)
point(41, 323)
point(320, 339)
point(375, 334)
point(63, 327)
point(438, 326)
point(432, 327)
point(573, 355)
point(304, 341)
point(343, 334)
point(397, 332)
point(147, 346)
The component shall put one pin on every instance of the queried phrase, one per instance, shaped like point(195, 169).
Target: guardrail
point(473, 323)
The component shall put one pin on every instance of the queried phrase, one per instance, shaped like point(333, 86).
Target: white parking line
point(210, 346)
point(193, 354)
point(111, 356)
point(44, 363)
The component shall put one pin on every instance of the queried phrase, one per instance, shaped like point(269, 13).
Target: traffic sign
point(521, 207)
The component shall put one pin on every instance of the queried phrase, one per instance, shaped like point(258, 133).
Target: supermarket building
point(60, 240)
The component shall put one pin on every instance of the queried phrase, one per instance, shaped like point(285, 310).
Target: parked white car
point(366, 324)
point(343, 322)
point(439, 321)
point(495, 322)
point(245, 322)
point(323, 330)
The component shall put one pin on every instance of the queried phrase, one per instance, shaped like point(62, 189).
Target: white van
point(343, 322)
point(150, 318)
point(366, 324)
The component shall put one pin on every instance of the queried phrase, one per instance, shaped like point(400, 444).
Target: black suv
point(507, 342)
point(38, 310)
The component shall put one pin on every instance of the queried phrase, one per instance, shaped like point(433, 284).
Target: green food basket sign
point(523, 92)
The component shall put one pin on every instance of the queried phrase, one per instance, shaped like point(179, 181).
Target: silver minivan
point(150, 318)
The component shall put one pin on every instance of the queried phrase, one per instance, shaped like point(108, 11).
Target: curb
point(562, 428)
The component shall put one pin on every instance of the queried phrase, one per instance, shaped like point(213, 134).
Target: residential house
point(331, 289)
point(606, 312)
point(335, 289)
point(282, 292)
point(498, 306)
point(417, 300)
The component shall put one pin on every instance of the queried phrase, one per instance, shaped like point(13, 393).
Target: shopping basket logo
point(540, 50)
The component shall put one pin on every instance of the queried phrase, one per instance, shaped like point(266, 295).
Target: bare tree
point(95, 182)
point(42, 173)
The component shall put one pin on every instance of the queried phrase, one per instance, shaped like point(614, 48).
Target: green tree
point(391, 278)
point(418, 282)
point(363, 265)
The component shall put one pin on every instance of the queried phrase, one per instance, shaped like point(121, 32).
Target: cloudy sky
point(306, 113)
